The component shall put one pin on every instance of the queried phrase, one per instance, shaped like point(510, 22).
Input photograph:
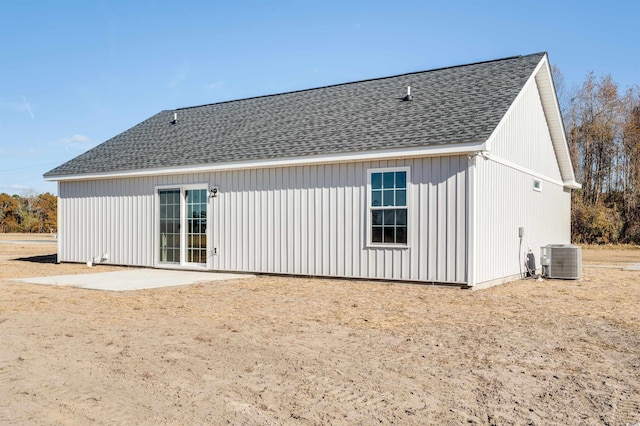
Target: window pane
point(387, 180)
point(388, 235)
point(376, 217)
point(401, 235)
point(376, 234)
point(388, 198)
point(389, 225)
point(389, 217)
point(376, 198)
point(401, 217)
point(401, 197)
point(376, 180)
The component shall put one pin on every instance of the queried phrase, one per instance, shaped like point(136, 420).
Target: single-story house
point(442, 176)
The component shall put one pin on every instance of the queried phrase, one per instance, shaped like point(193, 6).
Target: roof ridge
point(358, 81)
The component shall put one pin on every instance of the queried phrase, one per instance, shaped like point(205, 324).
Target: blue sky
point(76, 73)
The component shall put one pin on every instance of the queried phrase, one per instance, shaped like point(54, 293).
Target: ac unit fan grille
point(565, 261)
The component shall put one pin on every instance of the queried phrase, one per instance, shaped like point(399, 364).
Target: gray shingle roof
point(450, 105)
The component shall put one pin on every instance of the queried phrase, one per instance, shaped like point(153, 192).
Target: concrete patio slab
point(134, 279)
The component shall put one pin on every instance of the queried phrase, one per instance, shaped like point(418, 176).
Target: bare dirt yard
point(301, 351)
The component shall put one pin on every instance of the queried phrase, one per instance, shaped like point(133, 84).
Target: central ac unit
point(561, 261)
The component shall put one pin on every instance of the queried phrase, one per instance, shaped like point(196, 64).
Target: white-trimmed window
point(388, 206)
point(537, 185)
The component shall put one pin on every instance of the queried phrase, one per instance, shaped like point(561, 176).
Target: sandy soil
point(275, 350)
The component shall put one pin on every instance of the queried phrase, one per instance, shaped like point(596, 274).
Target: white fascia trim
point(557, 138)
point(429, 150)
point(520, 168)
point(572, 184)
point(557, 133)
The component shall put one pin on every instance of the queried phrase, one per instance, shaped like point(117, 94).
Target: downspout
point(472, 274)
point(58, 223)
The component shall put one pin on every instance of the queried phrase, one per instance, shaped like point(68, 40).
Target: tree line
point(602, 125)
point(29, 213)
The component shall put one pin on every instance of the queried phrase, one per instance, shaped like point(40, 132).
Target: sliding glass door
point(170, 226)
point(183, 226)
point(196, 226)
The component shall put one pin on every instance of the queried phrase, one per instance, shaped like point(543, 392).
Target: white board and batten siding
point(521, 152)
point(114, 216)
point(306, 220)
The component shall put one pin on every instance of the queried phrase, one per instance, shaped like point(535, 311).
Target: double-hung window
point(388, 206)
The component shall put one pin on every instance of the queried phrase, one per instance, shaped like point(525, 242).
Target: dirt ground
point(301, 351)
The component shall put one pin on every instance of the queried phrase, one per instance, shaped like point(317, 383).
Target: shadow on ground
point(45, 258)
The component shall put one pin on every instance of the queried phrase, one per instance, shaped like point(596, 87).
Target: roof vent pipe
point(175, 118)
point(408, 97)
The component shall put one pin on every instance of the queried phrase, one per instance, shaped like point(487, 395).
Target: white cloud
point(23, 190)
point(77, 141)
point(26, 107)
point(19, 187)
point(215, 85)
point(23, 106)
point(180, 74)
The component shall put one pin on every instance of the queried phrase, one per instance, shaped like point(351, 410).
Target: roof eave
point(421, 151)
point(551, 107)
point(572, 185)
